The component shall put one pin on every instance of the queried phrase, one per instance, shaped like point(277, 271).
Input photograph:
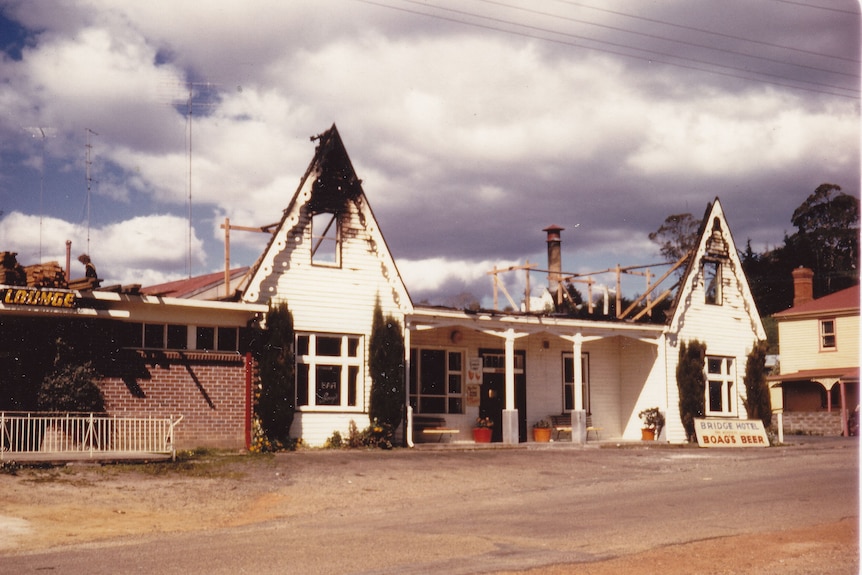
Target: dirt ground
point(46, 508)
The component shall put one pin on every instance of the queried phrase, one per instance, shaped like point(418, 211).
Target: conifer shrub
point(757, 401)
point(691, 383)
point(275, 404)
point(386, 363)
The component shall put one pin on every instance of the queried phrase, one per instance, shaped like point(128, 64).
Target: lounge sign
point(38, 297)
point(730, 433)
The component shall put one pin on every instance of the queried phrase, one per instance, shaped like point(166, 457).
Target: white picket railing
point(84, 435)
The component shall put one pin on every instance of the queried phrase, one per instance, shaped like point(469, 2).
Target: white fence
point(84, 435)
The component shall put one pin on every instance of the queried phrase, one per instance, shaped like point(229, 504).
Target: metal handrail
point(85, 434)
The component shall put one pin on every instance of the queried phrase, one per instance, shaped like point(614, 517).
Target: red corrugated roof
point(189, 286)
point(844, 300)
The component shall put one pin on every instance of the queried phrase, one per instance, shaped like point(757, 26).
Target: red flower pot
point(482, 434)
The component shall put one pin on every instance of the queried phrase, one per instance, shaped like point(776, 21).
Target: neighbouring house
point(158, 356)
point(817, 387)
point(329, 261)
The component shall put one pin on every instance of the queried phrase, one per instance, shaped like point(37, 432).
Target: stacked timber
point(46, 275)
point(11, 272)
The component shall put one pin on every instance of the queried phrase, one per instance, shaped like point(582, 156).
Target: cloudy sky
point(472, 123)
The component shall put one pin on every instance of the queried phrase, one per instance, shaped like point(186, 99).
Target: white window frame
point(725, 378)
point(344, 361)
point(454, 378)
point(326, 242)
point(715, 285)
point(825, 335)
point(569, 385)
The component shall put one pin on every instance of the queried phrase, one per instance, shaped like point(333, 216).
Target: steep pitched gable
point(714, 283)
point(330, 189)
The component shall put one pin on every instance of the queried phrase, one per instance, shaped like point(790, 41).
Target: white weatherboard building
point(328, 260)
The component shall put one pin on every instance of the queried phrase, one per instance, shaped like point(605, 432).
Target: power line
point(667, 39)
point(711, 32)
point(816, 7)
point(740, 73)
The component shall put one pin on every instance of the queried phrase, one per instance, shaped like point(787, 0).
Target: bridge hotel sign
point(730, 433)
point(51, 298)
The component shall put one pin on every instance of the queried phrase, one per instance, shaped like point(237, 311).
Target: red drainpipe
point(248, 404)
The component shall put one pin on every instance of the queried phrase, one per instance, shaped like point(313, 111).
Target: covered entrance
point(492, 399)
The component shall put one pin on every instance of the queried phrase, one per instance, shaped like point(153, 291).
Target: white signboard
point(730, 433)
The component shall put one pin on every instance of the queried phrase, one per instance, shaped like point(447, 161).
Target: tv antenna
point(41, 132)
point(89, 182)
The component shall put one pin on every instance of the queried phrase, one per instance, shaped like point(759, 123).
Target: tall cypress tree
point(276, 404)
point(757, 402)
point(386, 363)
point(691, 382)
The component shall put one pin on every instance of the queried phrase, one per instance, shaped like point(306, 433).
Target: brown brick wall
point(207, 389)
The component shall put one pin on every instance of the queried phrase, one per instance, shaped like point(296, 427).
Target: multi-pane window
point(569, 381)
point(720, 382)
point(325, 239)
point(328, 368)
point(827, 334)
point(179, 337)
point(712, 282)
point(437, 381)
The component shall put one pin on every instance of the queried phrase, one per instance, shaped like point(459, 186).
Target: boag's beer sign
point(38, 297)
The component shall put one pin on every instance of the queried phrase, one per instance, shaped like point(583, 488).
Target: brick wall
point(207, 389)
point(811, 422)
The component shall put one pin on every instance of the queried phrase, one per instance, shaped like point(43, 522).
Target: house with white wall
point(329, 261)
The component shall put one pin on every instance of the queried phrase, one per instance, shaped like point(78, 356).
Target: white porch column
point(510, 414)
point(579, 415)
point(578, 384)
point(408, 413)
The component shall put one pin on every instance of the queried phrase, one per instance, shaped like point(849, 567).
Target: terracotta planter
point(482, 434)
point(648, 434)
point(542, 434)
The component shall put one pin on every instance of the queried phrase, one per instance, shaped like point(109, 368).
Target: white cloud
point(131, 251)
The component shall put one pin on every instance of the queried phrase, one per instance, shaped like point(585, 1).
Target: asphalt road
point(466, 512)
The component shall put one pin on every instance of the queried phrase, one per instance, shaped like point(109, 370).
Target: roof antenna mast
point(89, 182)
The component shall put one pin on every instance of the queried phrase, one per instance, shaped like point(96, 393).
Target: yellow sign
point(38, 297)
point(730, 433)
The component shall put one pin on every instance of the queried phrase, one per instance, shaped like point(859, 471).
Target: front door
point(492, 400)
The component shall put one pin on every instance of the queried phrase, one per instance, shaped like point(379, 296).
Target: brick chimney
point(803, 286)
point(555, 258)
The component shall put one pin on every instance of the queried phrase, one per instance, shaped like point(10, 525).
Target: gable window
point(720, 383)
point(325, 240)
point(569, 381)
point(436, 380)
point(712, 282)
point(827, 334)
point(328, 368)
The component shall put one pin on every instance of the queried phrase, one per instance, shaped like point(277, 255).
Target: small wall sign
point(730, 433)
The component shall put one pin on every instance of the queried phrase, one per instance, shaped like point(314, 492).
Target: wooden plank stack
point(46, 275)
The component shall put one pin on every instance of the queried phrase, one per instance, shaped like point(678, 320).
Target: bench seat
point(563, 423)
point(427, 426)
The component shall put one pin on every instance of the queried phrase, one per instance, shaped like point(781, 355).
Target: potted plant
point(482, 430)
point(653, 423)
point(542, 431)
